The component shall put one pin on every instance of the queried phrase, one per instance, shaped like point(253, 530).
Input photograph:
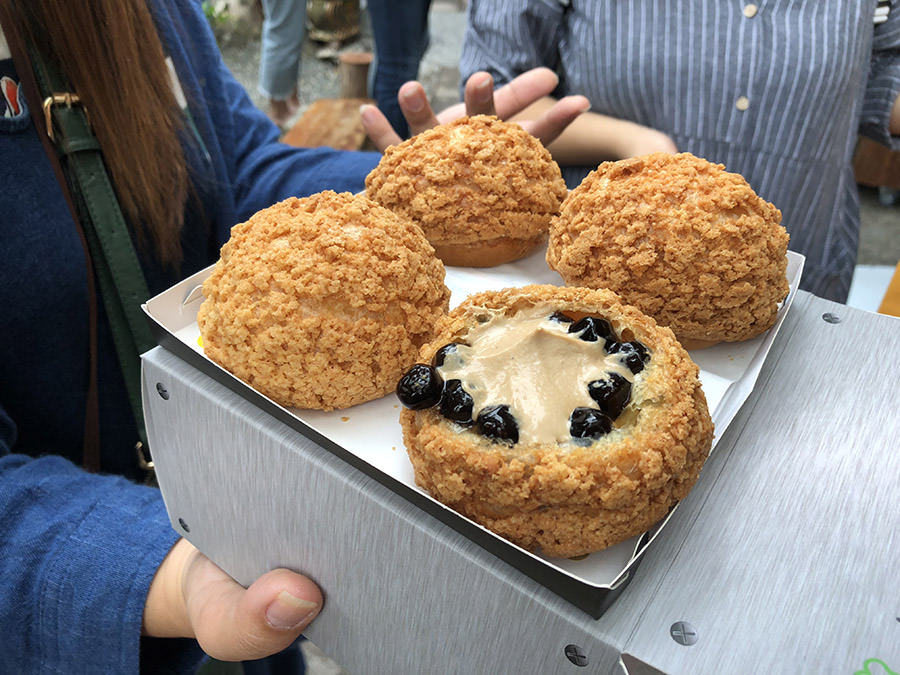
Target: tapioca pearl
point(641, 349)
point(498, 423)
point(420, 387)
point(589, 423)
point(611, 394)
point(592, 328)
point(456, 403)
point(441, 355)
point(559, 317)
point(633, 354)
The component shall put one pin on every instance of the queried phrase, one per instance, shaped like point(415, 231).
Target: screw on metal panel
point(683, 633)
point(162, 391)
point(831, 318)
point(184, 525)
point(576, 655)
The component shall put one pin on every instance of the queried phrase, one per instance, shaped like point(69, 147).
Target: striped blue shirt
point(776, 90)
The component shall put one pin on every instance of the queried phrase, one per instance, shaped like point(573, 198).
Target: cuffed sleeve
point(78, 552)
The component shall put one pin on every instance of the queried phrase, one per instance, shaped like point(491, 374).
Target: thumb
point(233, 623)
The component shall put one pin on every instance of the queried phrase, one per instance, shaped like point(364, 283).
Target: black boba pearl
point(592, 328)
point(589, 423)
point(456, 404)
point(497, 423)
point(642, 350)
point(634, 354)
point(420, 387)
point(559, 317)
point(611, 394)
point(442, 353)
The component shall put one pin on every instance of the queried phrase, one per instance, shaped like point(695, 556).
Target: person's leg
point(400, 29)
point(284, 27)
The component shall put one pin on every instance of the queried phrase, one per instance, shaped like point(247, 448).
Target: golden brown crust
point(488, 253)
point(475, 180)
point(680, 238)
point(569, 500)
point(322, 302)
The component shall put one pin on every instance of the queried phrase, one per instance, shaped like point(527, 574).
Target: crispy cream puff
point(322, 302)
point(557, 417)
point(685, 241)
point(483, 190)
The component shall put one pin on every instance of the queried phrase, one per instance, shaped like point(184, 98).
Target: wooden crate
point(331, 122)
point(876, 165)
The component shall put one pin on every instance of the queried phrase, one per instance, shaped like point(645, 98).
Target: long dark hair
point(113, 57)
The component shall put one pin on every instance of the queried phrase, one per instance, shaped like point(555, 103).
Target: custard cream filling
point(535, 366)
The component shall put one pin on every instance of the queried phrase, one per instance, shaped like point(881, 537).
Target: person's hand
point(480, 99)
point(639, 140)
point(191, 597)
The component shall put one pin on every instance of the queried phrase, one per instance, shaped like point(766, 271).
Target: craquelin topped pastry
point(322, 302)
point(557, 417)
point(685, 241)
point(482, 189)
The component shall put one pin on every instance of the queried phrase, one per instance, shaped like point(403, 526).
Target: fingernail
point(287, 611)
point(414, 102)
point(365, 112)
point(484, 89)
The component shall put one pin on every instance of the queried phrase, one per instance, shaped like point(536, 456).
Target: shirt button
point(750, 10)
point(742, 103)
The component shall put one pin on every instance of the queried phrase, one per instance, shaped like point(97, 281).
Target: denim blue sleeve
point(253, 167)
point(77, 554)
point(266, 171)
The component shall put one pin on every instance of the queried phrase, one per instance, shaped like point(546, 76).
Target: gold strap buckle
point(145, 462)
point(66, 98)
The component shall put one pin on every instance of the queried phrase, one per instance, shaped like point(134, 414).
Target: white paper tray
point(371, 434)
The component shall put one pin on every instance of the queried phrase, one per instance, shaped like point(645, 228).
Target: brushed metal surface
point(404, 593)
point(784, 558)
